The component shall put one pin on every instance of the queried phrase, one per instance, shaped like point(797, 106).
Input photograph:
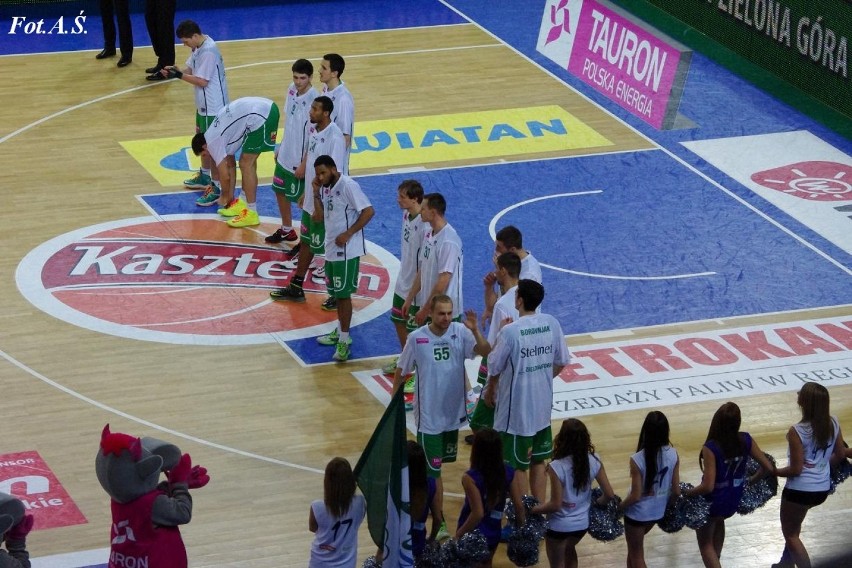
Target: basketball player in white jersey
point(324, 139)
point(527, 356)
point(249, 124)
point(205, 71)
point(437, 352)
point(441, 262)
point(345, 209)
point(505, 312)
point(331, 69)
point(288, 181)
point(509, 239)
point(409, 198)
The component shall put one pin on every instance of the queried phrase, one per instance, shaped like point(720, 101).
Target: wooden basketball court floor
point(263, 424)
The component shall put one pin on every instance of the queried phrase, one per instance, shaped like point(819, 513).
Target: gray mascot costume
point(146, 513)
point(15, 525)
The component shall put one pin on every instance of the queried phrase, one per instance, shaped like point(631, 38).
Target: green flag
point(382, 474)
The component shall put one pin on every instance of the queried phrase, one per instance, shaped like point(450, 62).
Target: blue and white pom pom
point(603, 521)
point(370, 562)
point(695, 508)
point(756, 495)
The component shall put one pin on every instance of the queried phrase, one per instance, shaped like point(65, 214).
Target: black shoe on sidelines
point(123, 62)
point(154, 69)
point(105, 52)
point(156, 77)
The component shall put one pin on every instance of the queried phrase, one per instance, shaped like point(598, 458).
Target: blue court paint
point(246, 21)
point(720, 103)
point(652, 220)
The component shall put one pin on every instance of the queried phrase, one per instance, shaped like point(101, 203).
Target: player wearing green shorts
point(249, 124)
point(346, 210)
point(440, 267)
point(522, 451)
point(529, 353)
point(205, 71)
point(288, 181)
point(440, 449)
point(507, 270)
point(437, 352)
point(409, 198)
point(324, 138)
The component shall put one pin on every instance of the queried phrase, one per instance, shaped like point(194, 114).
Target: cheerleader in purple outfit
point(723, 460)
point(486, 485)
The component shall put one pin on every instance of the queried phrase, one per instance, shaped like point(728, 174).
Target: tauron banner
point(618, 55)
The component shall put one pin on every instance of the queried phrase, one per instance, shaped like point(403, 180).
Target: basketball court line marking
point(254, 64)
point(214, 445)
point(256, 39)
point(678, 159)
point(422, 169)
point(32, 372)
point(161, 290)
point(492, 230)
point(366, 55)
point(244, 310)
point(95, 557)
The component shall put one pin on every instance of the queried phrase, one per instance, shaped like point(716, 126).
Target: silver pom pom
point(755, 495)
point(450, 554)
point(370, 562)
point(536, 523)
point(603, 521)
point(472, 548)
point(522, 546)
point(431, 557)
point(529, 502)
point(674, 519)
point(839, 474)
point(695, 508)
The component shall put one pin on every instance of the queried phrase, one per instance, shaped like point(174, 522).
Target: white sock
point(205, 171)
point(286, 228)
point(344, 337)
point(252, 206)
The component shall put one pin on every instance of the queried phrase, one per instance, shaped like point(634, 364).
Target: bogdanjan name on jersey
point(534, 330)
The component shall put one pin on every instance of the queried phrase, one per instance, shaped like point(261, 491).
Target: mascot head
point(11, 513)
point(128, 467)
